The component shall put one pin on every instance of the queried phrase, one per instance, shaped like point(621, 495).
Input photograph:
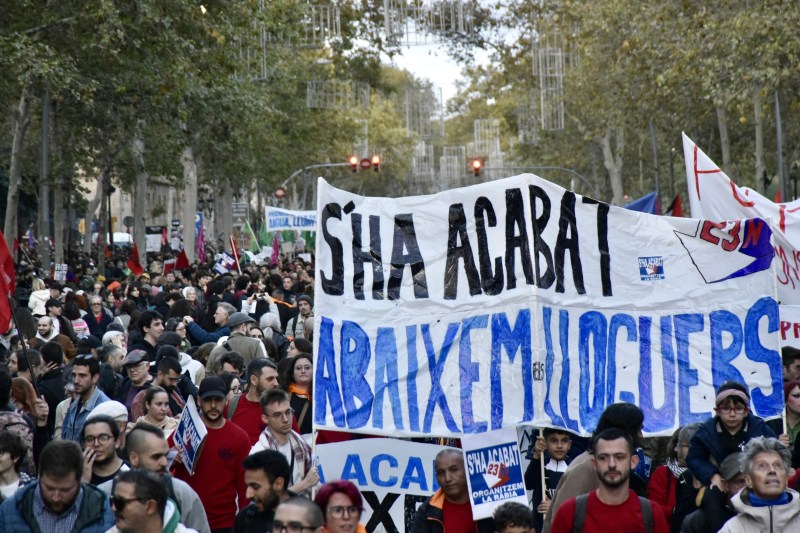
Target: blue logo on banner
point(651, 268)
point(495, 473)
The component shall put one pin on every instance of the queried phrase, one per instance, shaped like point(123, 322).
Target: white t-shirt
point(297, 472)
point(9, 490)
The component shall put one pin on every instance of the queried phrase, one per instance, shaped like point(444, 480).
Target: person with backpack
point(613, 502)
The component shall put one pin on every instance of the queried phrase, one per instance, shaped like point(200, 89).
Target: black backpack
point(582, 501)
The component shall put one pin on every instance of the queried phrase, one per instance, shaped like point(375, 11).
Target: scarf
point(755, 501)
point(294, 389)
point(676, 470)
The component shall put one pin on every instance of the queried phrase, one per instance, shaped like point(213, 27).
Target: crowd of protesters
point(97, 369)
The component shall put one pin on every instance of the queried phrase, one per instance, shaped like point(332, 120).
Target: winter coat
point(37, 300)
point(772, 519)
point(705, 446)
point(94, 515)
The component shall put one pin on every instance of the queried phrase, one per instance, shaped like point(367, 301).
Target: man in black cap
point(137, 366)
point(238, 341)
point(218, 473)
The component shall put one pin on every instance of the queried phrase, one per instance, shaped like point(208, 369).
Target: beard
point(615, 481)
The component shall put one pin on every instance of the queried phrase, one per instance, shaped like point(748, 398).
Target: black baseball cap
point(213, 387)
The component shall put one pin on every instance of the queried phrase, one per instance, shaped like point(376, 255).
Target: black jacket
point(249, 520)
point(51, 386)
point(430, 518)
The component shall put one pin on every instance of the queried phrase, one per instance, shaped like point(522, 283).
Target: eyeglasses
point(119, 503)
point(290, 527)
point(96, 303)
point(132, 366)
point(738, 409)
point(285, 414)
point(105, 438)
point(338, 510)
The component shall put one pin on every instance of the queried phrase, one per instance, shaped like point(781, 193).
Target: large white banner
point(714, 196)
point(518, 301)
point(283, 219)
point(393, 476)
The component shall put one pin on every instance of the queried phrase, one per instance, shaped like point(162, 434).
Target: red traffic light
point(353, 163)
point(376, 162)
point(477, 164)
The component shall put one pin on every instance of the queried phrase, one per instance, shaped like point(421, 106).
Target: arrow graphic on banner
point(747, 243)
point(496, 474)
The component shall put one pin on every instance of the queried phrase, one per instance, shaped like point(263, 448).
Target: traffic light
point(376, 162)
point(477, 164)
point(354, 163)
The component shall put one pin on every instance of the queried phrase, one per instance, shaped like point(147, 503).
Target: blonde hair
point(38, 284)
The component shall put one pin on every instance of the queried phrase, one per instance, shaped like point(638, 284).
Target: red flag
point(133, 261)
point(235, 253)
point(182, 262)
point(276, 251)
point(234, 249)
point(778, 196)
point(169, 265)
point(7, 265)
point(7, 284)
point(675, 209)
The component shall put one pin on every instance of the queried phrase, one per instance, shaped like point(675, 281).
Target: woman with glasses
point(726, 433)
point(341, 507)
point(232, 384)
point(176, 324)
point(297, 381)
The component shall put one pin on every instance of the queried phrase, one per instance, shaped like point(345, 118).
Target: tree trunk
point(758, 118)
point(102, 222)
point(140, 194)
point(189, 213)
point(89, 217)
point(58, 217)
point(44, 184)
point(724, 140)
point(612, 160)
point(223, 207)
point(21, 122)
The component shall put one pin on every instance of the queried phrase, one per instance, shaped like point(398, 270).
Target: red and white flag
point(7, 284)
point(714, 196)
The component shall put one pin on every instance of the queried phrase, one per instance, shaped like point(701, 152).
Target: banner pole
point(24, 345)
point(541, 467)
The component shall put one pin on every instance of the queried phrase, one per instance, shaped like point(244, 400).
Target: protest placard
point(494, 470)
point(393, 476)
point(518, 301)
point(154, 238)
point(190, 435)
point(283, 219)
point(60, 273)
point(225, 263)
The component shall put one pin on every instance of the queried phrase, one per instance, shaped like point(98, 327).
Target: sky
point(431, 62)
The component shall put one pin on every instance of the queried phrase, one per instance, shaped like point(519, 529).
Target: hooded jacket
point(771, 519)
